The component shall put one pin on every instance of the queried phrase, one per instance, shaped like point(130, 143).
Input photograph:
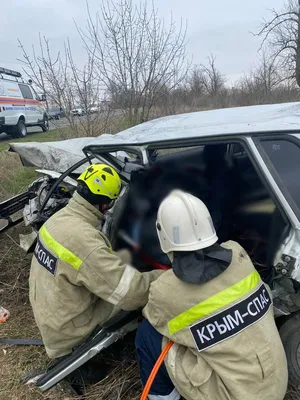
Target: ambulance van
point(20, 105)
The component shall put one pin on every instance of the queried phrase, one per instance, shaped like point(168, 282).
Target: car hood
point(55, 156)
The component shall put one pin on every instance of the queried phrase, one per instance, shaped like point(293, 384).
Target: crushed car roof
point(229, 121)
point(55, 156)
point(60, 155)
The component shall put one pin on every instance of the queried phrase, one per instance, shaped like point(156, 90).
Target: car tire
point(290, 336)
point(20, 130)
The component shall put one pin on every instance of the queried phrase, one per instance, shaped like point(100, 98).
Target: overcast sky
point(214, 26)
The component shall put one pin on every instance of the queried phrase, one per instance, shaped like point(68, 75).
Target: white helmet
point(184, 223)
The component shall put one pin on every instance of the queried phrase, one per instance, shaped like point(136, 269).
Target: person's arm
point(124, 255)
point(104, 274)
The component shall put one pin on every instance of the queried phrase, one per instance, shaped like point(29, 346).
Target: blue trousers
point(148, 344)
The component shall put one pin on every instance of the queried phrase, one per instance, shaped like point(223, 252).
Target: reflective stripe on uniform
point(214, 303)
point(61, 252)
point(121, 290)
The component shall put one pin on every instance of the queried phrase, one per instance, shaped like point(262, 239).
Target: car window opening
point(240, 205)
point(283, 160)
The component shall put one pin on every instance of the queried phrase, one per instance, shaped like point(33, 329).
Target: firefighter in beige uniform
point(76, 281)
point(215, 308)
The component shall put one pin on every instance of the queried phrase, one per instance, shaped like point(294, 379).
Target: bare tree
point(266, 77)
point(87, 94)
point(66, 86)
point(213, 80)
point(49, 72)
point(196, 87)
point(206, 85)
point(282, 34)
point(137, 56)
point(265, 83)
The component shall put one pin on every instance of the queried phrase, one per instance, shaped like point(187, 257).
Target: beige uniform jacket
point(76, 281)
point(226, 343)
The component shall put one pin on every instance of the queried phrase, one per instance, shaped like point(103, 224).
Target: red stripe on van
point(13, 100)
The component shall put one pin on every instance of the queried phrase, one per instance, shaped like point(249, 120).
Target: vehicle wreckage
point(242, 162)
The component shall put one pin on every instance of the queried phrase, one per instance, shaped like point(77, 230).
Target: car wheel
point(20, 130)
point(290, 336)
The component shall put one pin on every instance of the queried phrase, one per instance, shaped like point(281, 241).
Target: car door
point(12, 102)
point(38, 104)
point(279, 157)
point(30, 107)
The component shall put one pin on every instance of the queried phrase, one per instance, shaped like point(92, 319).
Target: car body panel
point(288, 256)
point(223, 122)
point(57, 175)
point(239, 121)
point(56, 156)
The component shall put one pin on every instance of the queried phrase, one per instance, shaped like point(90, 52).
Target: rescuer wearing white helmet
point(213, 305)
point(77, 281)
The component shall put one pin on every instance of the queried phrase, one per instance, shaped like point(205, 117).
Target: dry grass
point(14, 178)
point(15, 361)
point(122, 383)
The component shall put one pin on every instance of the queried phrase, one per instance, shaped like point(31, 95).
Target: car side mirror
point(43, 97)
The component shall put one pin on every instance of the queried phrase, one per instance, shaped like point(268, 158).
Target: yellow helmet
point(102, 179)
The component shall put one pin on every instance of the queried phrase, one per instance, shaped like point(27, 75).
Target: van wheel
point(290, 336)
point(45, 128)
point(20, 130)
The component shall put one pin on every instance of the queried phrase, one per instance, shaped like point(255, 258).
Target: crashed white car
point(243, 162)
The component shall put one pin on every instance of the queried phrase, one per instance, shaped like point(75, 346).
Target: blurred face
point(105, 207)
